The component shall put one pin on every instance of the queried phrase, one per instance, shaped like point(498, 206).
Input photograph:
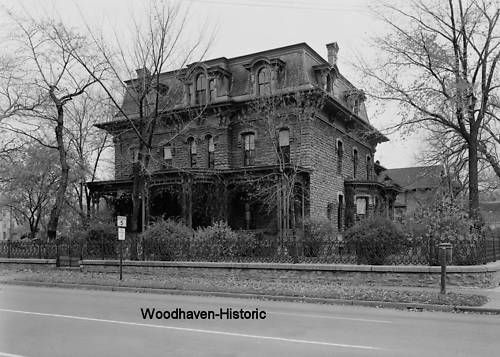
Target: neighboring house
point(202, 172)
point(419, 186)
point(490, 211)
point(7, 225)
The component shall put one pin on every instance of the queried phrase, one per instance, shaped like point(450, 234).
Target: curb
point(367, 303)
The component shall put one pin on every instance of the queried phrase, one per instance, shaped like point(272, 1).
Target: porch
point(260, 198)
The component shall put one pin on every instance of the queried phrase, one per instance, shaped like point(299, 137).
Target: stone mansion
point(283, 112)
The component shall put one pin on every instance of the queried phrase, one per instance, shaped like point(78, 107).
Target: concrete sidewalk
point(493, 298)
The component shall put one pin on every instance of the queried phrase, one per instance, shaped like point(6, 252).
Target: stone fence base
point(487, 275)
point(410, 275)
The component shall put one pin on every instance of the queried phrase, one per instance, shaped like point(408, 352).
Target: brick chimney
point(142, 73)
point(333, 50)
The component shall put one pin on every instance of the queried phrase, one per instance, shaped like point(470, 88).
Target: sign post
point(445, 257)
point(122, 224)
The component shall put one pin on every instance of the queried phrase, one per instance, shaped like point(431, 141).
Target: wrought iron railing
point(261, 249)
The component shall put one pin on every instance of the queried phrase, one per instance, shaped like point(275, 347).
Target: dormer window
point(211, 151)
point(162, 89)
point(355, 106)
point(264, 81)
point(192, 151)
point(284, 145)
point(201, 89)
point(212, 90)
point(328, 83)
point(354, 98)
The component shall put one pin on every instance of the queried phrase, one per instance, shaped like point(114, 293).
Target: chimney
point(333, 50)
point(142, 73)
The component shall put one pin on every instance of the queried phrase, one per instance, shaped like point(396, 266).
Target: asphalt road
point(63, 322)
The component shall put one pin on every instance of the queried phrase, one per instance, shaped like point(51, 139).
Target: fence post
point(8, 249)
point(102, 247)
point(40, 250)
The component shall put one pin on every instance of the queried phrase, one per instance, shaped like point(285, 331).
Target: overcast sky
point(246, 26)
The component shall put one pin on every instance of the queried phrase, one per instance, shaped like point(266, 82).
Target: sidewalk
point(493, 298)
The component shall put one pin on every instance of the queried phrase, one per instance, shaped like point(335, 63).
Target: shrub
point(166, 240)
point(445, 220)
point(316, 233)
point(99, 238)
point(219, 242)
point(374, 239)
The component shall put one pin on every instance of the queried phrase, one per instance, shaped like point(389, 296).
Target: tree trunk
point(55, 213)
point(473, 178)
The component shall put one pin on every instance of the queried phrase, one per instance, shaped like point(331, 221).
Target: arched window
point(368, 168)
point(192, 151)
point(264, 81)
point(213, 90)
point(248, 149)
point(284, 145)
point(201, 89)
point(167, 155)
point(328, 84)
point(211, 151)
point(355, 161)
point(340, 155)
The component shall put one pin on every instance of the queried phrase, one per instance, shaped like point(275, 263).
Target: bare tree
point(440, 65)
point(86, 145)
point(159, 45)
point(51, 74)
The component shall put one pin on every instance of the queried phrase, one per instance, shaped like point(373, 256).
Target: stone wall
point(418, 276)
point(383, 275)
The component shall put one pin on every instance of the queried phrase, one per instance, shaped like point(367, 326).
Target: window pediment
point(275, 63)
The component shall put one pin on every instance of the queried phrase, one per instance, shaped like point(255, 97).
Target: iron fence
point(261, 249)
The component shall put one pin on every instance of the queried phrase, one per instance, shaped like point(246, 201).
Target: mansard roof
point(298, 58)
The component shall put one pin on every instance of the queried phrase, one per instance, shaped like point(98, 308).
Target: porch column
point(187, 200)
point(225, 203)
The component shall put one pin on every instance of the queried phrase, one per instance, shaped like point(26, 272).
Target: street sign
point(121, 233)
point(121, 221)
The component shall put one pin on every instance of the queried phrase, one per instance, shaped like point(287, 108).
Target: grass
point(191, 280)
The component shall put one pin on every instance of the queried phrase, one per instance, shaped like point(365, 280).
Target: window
point(368, 168)
point(340, 213)
point(192, 151)
point(264, 81)
point(284, 145)
point(328, 83)
point(340, 155)
point(355, 106)
point(211, 151)
point(134, 154)
point(355, 160)
point(162, 89)
point(201, 89)
point(213, 90)
point(167, 155)
point(361, 205)
point(248, 149)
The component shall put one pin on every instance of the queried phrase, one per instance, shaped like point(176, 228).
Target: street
point(63, 322)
